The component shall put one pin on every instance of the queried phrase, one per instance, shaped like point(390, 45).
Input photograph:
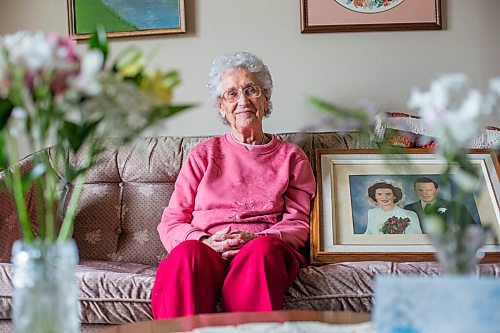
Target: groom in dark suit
point(429, 203)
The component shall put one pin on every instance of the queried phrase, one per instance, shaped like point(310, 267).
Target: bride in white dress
point(387, 196)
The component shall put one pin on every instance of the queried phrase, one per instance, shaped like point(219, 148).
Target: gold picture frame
point(339, 215)
point(359, 16)
point(125, 18)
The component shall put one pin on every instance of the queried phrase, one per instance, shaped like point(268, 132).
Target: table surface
point(234, 318)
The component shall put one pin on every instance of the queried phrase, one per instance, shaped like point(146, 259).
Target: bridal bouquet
point(395, 225)
point(51, 95)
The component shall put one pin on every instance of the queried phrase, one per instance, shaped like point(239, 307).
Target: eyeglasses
point(233, 95)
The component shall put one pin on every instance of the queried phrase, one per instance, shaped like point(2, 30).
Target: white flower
point(450, 110)
point(448, 91)
point(453, 113)
point(18, 121)
point(442, 210)
point(434, 225)
point(467, 182)
point(494, 85)
point(87, 81)
point(29, 50)
point(492, 100)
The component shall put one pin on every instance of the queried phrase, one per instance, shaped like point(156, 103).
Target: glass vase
point(45, 297)
point(459, 251)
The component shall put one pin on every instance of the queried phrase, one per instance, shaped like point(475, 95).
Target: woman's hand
point(228, 243)
point(244, 237)
point(223, 241)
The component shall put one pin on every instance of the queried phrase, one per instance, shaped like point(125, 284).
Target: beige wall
point(340, 67)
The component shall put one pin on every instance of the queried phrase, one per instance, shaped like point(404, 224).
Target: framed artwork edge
point(123, 34)
point(307, 27)
point(318, 256)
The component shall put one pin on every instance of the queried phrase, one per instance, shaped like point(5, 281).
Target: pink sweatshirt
point(265, 189)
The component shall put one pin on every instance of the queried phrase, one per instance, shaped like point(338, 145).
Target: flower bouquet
point(51, 95)
point(454, 114)
point(395, 225)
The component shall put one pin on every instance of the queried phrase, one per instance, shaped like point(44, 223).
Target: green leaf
point(4, 157)
point(6, 108)
point(99, 41)
point(69, 131)
point(73, 172)
point(76, 134)
point(172, 79)
point(162, 112)
point(339, 111)
point(69, 172)
point(17, 86)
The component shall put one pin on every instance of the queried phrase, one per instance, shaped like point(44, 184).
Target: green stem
point(40, 207)
point(50, 194)
point(67, 225)
point(14, 182)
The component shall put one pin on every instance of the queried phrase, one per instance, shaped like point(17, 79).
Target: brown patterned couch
point(115, 230)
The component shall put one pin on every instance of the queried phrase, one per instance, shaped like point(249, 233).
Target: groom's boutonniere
point(442, 210)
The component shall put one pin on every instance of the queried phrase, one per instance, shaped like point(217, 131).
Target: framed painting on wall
point(349, 222)
point(369, 15)
point(125, 18)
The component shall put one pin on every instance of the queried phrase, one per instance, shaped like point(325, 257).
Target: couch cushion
point(349, 286)
point(113, 292)
point(110, 292)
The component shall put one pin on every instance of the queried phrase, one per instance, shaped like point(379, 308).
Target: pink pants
point(194, 277)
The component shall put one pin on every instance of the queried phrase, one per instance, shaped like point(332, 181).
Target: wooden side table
point(235, 318)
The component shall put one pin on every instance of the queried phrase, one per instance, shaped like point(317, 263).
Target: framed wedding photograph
point(370, 206)
point(369, 15)
point(125, 18)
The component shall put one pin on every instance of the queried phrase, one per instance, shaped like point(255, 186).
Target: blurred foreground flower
point(49, 93)
point(454, 113)
point(367, 120)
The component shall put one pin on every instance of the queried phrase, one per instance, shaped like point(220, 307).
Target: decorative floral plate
point(369, 6)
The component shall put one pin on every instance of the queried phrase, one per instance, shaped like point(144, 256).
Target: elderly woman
point(239, 214)
point(386, 196)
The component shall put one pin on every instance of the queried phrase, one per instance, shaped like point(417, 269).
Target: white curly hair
point(245, 60)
